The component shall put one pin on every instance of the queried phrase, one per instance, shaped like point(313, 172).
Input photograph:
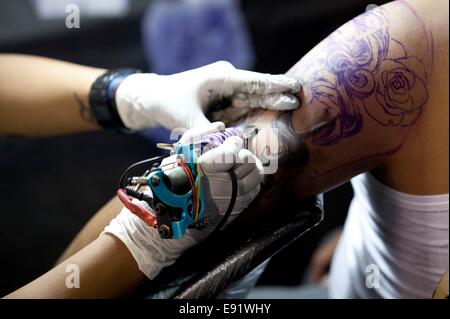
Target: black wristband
point(102, 99)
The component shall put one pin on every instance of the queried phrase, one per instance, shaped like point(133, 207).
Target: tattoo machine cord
point(135, 192)
point(148, 161)
point(234, 190)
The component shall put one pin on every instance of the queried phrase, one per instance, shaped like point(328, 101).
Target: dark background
point(50, 187)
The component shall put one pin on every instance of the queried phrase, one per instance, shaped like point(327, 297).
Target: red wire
point(145, 215)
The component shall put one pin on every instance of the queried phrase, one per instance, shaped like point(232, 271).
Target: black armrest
point(223, 259)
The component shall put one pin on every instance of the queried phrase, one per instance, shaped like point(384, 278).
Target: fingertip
point(222, 64)
point(287, 105)
point(297, 86)
point(215, 126)
point(201, 129)
point(280, 102)
point(247, 157)
point(294, 85)
point(235, 141)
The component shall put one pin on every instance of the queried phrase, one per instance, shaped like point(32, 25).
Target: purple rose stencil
point(355, 65)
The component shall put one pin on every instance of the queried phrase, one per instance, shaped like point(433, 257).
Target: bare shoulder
point(421, 166)
point(434, 13)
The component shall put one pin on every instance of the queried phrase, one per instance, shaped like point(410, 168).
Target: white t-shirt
point(393, 245)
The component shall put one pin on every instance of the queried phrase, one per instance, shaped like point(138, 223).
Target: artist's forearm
point(106, 270)
point(42, 97)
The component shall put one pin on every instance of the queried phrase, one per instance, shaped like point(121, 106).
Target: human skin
point(375, 98)
point(106, 270)
point(26, 108)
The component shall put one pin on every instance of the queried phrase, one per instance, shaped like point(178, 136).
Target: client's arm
point(369, 89)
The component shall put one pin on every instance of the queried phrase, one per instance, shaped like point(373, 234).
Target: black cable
point(135, 165)
point(140, 196)
point(234, 191)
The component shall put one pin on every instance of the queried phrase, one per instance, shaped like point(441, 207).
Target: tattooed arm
point(41, 97)
point(372, 91)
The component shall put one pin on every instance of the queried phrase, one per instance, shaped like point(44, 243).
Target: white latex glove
point(151, 252)
point(216, 181)
point(180, 100)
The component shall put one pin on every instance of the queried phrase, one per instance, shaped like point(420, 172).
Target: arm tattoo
point(362, 69)
point(359, 73)
point(292, 151)
point(85, 111)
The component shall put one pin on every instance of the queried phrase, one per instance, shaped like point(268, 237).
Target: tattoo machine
point(177, 200)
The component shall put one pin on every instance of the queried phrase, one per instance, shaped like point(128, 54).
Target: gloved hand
point(151, 252)
point(215, 166)
point(180, 100)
